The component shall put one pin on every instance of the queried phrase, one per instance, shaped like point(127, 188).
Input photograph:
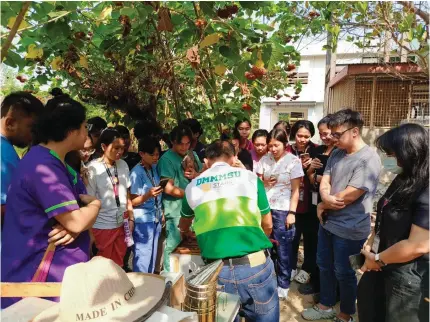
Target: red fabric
point(111, 244)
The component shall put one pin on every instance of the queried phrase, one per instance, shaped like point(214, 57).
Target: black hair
point(194, 125)
point(166, 138)
point(220, 148)
point(125, 133)
point(60, 116)
point(325, 120)
point(107, 136)
point(73, 159)
point(179, 132)
point(346, 116)
point(285, 125)
point(148, 127)
point(410, 145)
point(236, 125)
point(22, 102)
point(98, 124)
point(148, 145)
point(259, 133)
point(308, 125)
point(278, 135)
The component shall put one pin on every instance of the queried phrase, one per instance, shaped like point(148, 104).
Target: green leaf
point(263, 27)
point(229, 53)
point(267, 53)
point(252, 5)
point(208, 8)
point(14, 60)
point(226, 87)
point(54, 14)
point(128, 11)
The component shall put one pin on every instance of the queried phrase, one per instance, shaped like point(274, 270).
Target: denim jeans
point(145, 246)
point(397, 294)
point(333, 261)
point(173, 238)
point(256, 287)
point(284, 250)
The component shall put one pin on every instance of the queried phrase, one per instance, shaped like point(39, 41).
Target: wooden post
point(14, 29)
point(410, 101)
point(372, 104)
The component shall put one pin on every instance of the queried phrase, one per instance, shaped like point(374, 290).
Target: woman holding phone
point(306, 219)
point(281, 173)
point(108, 180)
point(314, 173)
point(146, 193)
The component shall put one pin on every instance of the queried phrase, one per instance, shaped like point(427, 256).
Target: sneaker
point(293, 274)
point(336, 319)
point(315, 313)
point(282, 292)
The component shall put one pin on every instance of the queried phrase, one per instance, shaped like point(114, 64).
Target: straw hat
point(100, 290)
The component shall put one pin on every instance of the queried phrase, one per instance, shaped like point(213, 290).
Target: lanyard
point(115, 183)
point(152, 179)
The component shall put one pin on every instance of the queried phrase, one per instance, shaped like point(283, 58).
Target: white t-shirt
point(100, 186)
point(287, 168)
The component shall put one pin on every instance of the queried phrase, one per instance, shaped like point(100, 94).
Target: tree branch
point(420, 13)
point(14, 29)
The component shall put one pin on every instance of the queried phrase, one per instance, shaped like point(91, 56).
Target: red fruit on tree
point(233, 9)
point(291, 67)
point(258, 71)
point(250, 76)
point(223, 13)
point(246, 107)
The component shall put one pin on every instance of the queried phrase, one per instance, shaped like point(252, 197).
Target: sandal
point(315, 313)
point(302, 277)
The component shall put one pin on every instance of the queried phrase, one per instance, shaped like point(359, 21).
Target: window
point(300, 77)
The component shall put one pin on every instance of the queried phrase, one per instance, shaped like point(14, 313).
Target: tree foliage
point(209, 60)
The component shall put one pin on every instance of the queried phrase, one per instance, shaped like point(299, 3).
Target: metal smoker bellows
point(201, 292)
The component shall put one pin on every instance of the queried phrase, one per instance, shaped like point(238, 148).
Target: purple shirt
point(42, 188)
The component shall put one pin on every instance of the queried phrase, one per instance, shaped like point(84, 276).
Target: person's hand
point(61, 236)
point(155, 191)
point(306, 163)
point(269, 182)
point(190, 173)
point(370, 263)
point(320, 212)
point(84, 175)
point(163, 220)
point(316, 164)
point(368, 244)
point(238, 164)
point(87, 199)
point(290, 221)
point(334, 202)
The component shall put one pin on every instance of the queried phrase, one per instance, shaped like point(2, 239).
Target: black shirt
point(200, 150)
point(245, 157)
point(132, 158)
point(396, 215)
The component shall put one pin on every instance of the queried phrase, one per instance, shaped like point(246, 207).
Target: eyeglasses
point(89, 152)
point(89, 126)
point(337, 135)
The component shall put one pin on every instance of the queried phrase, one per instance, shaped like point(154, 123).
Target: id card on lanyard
point(115, 183)
point(157, 206)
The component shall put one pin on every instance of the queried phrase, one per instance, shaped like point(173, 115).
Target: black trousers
point(308, 225)
point(394, 295)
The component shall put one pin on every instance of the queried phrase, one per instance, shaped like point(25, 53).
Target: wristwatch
point(379, 261)
point(290, 212)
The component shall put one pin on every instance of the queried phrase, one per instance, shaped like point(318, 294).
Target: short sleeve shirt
point(9, 162)
point(359, 170)
point(43, 188)
point(227, 204)
point(140, 185)
point(100, 185)
point(287, 168)
point(169, 166)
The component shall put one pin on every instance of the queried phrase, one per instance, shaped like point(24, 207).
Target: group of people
point(79, 192)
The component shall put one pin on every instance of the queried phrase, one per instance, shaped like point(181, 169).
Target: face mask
point(390, 164)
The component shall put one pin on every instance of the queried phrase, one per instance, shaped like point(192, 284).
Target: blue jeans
point(333, 261)
point(284, 250)
point(256, 287)
point(145, 246)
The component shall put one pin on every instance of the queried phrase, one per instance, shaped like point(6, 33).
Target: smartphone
point(323, 158)
point(163, 182)
point(304, 156)
point(357, 261)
